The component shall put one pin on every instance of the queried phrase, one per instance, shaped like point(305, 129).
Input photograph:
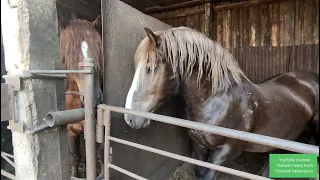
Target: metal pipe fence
point(250, 137)
point(6, 157)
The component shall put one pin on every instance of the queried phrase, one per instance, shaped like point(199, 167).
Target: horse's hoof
point(100, 177)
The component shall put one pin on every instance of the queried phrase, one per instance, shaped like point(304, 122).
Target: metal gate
point(105, 119)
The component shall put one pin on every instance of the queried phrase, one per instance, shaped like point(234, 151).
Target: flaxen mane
point(70, 44)
point(186, 50)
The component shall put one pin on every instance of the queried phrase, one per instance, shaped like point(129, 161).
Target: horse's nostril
point(130, 119)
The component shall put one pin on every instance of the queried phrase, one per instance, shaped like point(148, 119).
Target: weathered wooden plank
point(207, 19)
point(265, 25)
point(219, 27)
point(275, 31)
point(255, 26)
point(182, 20)
point(234, 22)
point(189, 18)
point(315, 22)
point(214, 25)
point(175, 19)
point(299, 9)
point(174, 6)
point(245, 26)
point(288, 7)
point(245, 4)
point(226, 29)
point(307, 23)
point(174, 14)
point(236, 19)
point(281, 23)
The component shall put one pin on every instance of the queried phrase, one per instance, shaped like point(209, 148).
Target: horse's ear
point(61, 24)
point(96, 22)
point(73, 16)
point(152, 37)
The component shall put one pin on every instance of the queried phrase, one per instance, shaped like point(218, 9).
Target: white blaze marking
point(134, 86)
point(84, 49)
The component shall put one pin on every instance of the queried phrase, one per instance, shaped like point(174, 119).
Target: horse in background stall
point(182, 61)
point(72, 34)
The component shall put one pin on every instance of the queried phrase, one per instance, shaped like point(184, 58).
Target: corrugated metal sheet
point(266, 39)
point(260, 63)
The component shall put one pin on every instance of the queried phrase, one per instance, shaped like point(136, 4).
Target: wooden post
point(30, 38)
point(207, 18)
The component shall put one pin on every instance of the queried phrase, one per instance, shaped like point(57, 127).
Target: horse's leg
point(74, 130)
point(101, 161)
point(74, 150)
point(201, 153)
point(221, 156)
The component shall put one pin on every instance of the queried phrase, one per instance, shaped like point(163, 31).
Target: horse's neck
point(203, 105)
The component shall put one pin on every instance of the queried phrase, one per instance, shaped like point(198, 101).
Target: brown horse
point(182, 61)
point(71, 37)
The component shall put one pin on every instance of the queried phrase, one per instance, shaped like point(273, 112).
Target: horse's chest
point(205, 139)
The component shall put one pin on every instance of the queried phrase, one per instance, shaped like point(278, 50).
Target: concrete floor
point(248, 162)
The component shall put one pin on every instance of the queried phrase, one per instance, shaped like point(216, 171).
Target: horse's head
point(72, 37)
point(153, 82)
point(178, 60)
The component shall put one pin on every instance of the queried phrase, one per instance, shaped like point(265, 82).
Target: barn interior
point(262, 31)
point(267, 37)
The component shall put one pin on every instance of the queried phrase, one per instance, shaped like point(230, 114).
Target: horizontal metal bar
point(7, 174)
point(128, 173)
point(7, 159)
point(35, 129)
point(74, 93)
point(64, 117)
point(8, 155)
point(84, 71)
point(190, 160)
point(75, 178)
point(43, 76)
point(231, 133)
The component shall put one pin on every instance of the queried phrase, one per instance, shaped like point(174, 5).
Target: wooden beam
point(174, 6)
point(245, 4)
point(178, 14)
point(207, 18)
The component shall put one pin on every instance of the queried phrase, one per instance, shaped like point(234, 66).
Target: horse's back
point(287, 103)
point(299, 82)
point(296, 86)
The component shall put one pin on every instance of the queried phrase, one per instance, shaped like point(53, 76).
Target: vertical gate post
point(30, 37)
point(107, 125)
point(89, 126)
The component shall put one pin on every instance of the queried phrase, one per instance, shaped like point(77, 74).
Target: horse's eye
point(150, 69)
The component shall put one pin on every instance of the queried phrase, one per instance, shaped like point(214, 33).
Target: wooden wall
point(192, 17)
point(267, 37)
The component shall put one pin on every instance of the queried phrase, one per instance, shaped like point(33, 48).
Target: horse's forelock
point(70, 44)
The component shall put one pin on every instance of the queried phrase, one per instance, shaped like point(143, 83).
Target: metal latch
point(7, 101)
